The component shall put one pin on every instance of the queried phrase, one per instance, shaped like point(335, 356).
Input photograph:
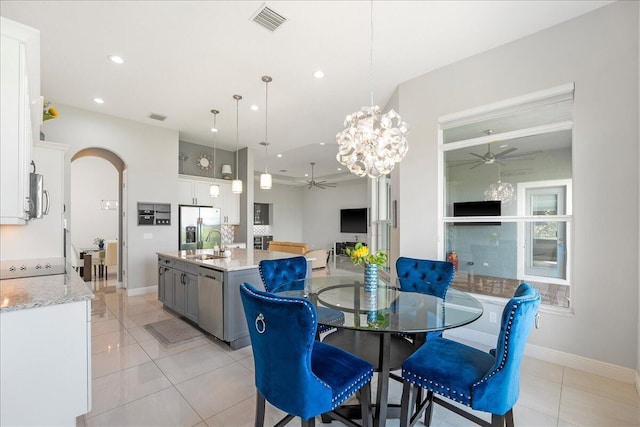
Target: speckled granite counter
point(241, 259)
point(33, 292)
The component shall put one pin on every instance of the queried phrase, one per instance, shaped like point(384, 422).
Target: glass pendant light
point(265, 178)
point(236, 184)
point(372, 142)
point(214, 189)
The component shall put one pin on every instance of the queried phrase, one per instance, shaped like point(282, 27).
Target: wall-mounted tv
point(486, 208)
point(353, 220)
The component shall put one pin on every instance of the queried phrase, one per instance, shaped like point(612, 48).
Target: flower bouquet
point(370, 261)
point(49, 111)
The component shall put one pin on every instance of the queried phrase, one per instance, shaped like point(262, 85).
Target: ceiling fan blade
point(505, 152)
point(479, 164)
point(478, 156)
point(522, 154)
point(461, 163)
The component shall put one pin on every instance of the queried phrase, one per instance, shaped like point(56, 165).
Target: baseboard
point(596, 367)
point(141, 291)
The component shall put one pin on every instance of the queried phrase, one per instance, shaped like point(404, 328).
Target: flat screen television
point(353, 220)
point(486, 208)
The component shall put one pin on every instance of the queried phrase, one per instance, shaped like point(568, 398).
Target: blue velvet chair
point(277, 272)
point(293, 371)
point(469, 376)
point(427, 277)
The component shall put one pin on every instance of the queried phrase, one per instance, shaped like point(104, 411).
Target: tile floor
point(138, 382)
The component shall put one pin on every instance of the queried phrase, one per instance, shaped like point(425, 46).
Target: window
point(506, 195)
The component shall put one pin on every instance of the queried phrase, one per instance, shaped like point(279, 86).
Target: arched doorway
point(120, 167)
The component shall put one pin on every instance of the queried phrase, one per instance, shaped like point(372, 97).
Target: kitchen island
point(204, 288)
point(45, 350)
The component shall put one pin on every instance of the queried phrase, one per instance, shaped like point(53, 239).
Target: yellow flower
point(360, 255)
point(48, 111)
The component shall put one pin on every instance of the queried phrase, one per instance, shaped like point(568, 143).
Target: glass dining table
point(377, 324)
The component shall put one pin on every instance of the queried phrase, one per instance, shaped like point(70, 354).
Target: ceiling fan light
point(265, 181)
point(214, 190)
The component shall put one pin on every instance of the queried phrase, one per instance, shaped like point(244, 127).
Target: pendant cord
point(237, 121)
point(266, 125)
point(214, 145)
point(371, 53)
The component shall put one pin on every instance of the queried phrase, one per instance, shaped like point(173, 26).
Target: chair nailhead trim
point(351, 388)
point(438, 388)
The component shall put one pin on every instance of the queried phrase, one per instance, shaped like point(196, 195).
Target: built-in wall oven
point(262, 242)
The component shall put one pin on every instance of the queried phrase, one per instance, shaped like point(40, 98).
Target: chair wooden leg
point(405, 413)
point(311, 422)
point(497, 420)
point(428, 413)
point(509, 418)
point(259, 422)
point(365, 405)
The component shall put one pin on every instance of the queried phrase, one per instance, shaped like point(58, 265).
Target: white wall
point(92, 180)
point(599, 52)
point(150, 154)
point(286, 214)
point(321, 212)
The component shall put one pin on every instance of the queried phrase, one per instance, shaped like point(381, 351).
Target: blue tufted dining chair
point(469, 376)
point(277, 272)
point(293, 371)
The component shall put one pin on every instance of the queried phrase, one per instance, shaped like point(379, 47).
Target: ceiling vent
point(268, 18)
point(158, 117)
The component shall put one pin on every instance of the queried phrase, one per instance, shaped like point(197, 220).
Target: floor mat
point(173, 332)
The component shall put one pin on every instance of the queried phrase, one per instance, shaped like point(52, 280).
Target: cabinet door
point(179, 294)
point(218, 202)
point(201, 192)
point(191, 295)
point(161, 282)
point(15, 148)
point(169, 285)
point(185, 192)
point(231, 211)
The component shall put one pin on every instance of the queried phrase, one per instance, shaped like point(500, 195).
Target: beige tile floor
point(138, 382)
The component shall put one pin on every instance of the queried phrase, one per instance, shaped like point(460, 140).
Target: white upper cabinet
point(196, 192)
point(21, 116)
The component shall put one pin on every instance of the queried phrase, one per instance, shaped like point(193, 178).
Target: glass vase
point(371, 277)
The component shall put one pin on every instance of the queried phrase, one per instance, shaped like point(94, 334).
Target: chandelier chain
point(371, 52)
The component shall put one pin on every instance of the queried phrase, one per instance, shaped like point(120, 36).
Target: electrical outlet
point(493, 318)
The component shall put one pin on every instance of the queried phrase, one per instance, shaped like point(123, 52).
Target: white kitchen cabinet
point(45, 360)
point(21, 116)
point(194, 192)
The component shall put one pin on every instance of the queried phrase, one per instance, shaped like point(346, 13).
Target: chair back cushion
point(275, 272)
point(282, 332)
point(498, 390)
point(424, 276)
point(111, 253)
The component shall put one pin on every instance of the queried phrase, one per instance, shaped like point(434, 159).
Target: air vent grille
point(156, 116)
point(268, 18)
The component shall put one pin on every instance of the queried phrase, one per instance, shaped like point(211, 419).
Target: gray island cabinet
point(204, 288)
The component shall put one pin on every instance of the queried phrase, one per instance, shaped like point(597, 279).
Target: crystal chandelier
point(265, 178)
point(214, 189)
point(502, 191)
point(372, 142)
point(236, 184)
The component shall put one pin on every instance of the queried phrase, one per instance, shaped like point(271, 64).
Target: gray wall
point(190, 152)
point(149, 154)
point(286, 210)
point(599, 52)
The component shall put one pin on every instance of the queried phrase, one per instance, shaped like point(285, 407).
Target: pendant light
point(265, 178)
point(214, 189)
point(236, 184)
point(372, 142)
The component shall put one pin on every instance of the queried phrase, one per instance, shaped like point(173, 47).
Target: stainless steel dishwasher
point(211, 302)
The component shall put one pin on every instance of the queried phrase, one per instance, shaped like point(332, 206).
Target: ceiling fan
point(320, 184)
point(490, 158)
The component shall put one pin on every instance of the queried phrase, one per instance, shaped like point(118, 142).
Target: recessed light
point(318, 74)
point(279, 155)
point(214, 130)
point(339, 169)
point(322, 143)
point(98, 100)
point(306, 174)
point(254, 107)
point(116, 59)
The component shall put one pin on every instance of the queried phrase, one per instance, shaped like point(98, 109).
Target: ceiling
point(183, 59)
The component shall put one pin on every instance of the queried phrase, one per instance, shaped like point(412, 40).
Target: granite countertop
point(41, 291)
point(241, 259)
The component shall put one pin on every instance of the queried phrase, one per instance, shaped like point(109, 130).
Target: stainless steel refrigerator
point(199, 227)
